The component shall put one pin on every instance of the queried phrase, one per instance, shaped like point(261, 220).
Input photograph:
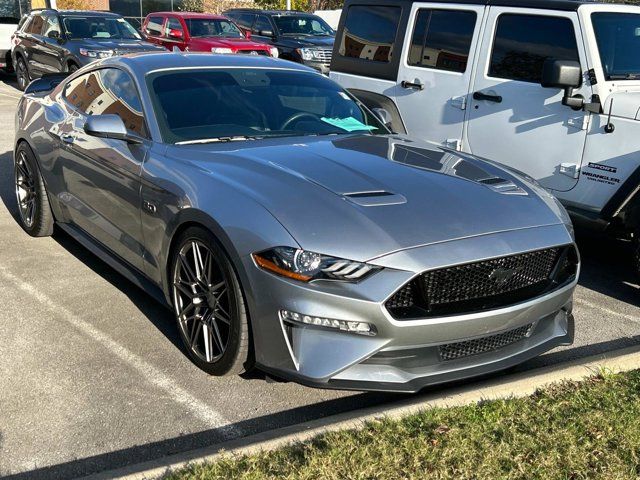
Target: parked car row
point(51, 41)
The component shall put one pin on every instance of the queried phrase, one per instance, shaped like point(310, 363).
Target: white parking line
point(201, 410)
point(633, 318)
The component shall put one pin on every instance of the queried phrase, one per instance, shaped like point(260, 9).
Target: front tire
point(22, 74)
point(34, 210)
point(208, 304)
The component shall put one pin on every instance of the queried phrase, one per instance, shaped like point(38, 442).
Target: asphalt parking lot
point(92, 375)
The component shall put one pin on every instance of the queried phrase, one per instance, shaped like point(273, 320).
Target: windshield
point(618, 38)
point(245, 103)
point(98, 27)
point(211, 27)
point(302, 25)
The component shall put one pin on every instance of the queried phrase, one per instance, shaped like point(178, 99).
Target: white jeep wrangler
point(547, 87)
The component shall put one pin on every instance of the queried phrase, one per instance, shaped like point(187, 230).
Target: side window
point(154, 26)
point(245, 20)
point(108, 91)
point(523, 42)
point(442, 39)
point(262, 24)
point(173, 24)
point(370, 32)
point(51, 24)
point(36, 24)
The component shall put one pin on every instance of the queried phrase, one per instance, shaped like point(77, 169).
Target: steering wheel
point(297, 116)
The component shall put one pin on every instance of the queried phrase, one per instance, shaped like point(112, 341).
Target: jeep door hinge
point(453, 143)
point(581, 122)
point(459, 102)
point(569, 169)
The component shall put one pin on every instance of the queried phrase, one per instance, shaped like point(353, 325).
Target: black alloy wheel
point(35, 213)
point(208, 304)
point(22, 74)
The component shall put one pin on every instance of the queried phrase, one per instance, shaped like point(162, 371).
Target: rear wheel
point(22, 74)
point(208, 305)
point(33, 203)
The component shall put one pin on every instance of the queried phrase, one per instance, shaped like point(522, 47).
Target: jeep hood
point(368, 196)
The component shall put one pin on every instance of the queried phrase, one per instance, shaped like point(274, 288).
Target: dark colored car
point(201, 32)
point(300, 37)
point(53, 41)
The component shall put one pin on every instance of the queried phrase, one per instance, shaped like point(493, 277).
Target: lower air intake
point(454, 351)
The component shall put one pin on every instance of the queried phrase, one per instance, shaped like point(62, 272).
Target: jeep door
point(435, 70)
point(512, 119)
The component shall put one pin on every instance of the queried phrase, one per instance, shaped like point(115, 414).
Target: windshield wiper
point(624, 76)
point(235, 138)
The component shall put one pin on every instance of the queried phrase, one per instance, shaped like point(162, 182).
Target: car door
point(512, 118)
point(51, 50)
point(435, 70)
point(102, 176)
point(31, 41)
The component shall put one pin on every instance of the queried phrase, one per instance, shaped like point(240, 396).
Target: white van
point(547, 87)
point(11, 11)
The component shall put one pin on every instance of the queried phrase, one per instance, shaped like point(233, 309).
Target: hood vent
point(501, 185)
point(375, 198)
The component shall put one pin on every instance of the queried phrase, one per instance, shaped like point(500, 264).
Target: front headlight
point(274, 52)
point(221, 50)
point(305, 266)
point(96, 53)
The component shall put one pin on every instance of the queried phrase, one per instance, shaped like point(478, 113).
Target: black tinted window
point(618, 38)
point(243, 19)
point(108, 91)
point(523, 42)
point(442, 39)
point(369, 32)
point(262, 24)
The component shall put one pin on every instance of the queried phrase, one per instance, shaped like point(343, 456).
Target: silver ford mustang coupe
point(287, 228)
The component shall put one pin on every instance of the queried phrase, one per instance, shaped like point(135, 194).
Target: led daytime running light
point(361, 328)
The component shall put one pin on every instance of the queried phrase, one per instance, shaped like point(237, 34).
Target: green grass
point(569, 431)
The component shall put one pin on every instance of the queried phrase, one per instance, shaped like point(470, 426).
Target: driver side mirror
point(109, 126)
point(266, 33)
point(565, 74)
point(247, 34)
point(384, 116)
point(175, 34)
point(54, 34)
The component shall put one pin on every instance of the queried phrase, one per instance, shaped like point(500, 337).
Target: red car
point(201, 32)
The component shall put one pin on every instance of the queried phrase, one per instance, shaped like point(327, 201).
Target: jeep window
point(107, 91)
point(369, 32)
point(212, 27)
point(442, 39)
point(523, 42)
point(99, 27)
point(302, 25)
point(618, 39)
point(226, 104)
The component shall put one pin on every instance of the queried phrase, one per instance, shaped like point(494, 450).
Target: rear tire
point(22, 74)
point(208, 305)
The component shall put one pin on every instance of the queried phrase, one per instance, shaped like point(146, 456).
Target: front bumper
point(320, 66)
point(5, 59)
point(404, 355)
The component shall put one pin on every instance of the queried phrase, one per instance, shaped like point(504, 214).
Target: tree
point(73, 4)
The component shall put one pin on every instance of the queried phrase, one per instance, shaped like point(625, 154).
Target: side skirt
point(128, 271)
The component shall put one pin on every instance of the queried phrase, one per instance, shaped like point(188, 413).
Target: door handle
point(66, 138)
point(487, 97)
point(415, 85)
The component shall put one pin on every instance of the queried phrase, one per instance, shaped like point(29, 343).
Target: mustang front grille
point(488, 284)
point(453, 351)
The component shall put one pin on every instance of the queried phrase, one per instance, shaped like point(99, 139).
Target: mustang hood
point(372, 195)
point(122, 46)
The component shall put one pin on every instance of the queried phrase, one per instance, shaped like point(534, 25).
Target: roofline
point(563, 5)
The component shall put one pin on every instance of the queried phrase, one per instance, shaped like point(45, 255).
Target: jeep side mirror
point(109, 126)
point(565, 74)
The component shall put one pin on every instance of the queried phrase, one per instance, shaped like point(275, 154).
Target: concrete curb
point(515, 385)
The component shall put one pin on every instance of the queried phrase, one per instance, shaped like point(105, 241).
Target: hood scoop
point(501, 185)
point(375, 198)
